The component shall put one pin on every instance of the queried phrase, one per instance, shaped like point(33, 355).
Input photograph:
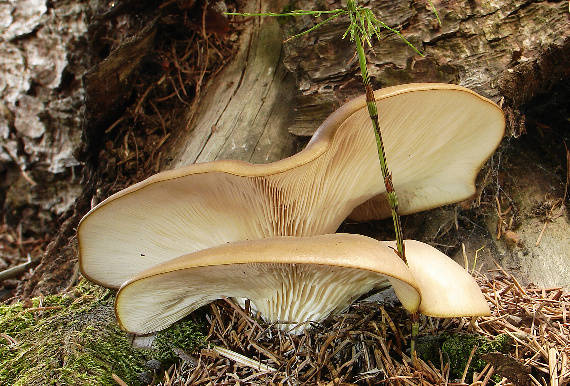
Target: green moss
point(185, 334)
point(456, 348)
point(77, 342)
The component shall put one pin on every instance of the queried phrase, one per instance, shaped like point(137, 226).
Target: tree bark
point(41, 62)
point(508, 51)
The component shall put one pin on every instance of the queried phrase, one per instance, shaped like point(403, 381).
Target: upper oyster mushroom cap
point(287, 279)
point(436, 137)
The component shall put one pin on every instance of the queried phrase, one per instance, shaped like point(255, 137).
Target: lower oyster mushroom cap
point(446, 288)
point(436, 137)
point(287, 279)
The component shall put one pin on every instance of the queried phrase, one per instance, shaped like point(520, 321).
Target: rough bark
point(508, 51)
point(41, 62)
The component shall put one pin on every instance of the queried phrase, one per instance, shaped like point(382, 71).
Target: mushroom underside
point(288, 280)
point(292, 281)
point(436, 137)
point(288, 295)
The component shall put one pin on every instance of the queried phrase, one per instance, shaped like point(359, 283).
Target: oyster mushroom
point(436, 137)
point(296, 280)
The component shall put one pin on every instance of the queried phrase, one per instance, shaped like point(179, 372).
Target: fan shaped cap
point(436, 137)
point(446, 288)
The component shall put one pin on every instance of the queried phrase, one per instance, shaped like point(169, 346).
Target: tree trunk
point(246, 110)
point(510, 52)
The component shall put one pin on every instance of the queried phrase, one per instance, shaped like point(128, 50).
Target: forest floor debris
point(526, 340)
point(73, 337)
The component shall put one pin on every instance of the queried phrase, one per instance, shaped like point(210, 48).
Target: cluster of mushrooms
point(186, 237)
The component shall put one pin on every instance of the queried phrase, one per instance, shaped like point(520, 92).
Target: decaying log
point(247, 108)
point(508, 51)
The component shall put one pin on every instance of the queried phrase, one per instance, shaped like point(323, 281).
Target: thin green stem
point(379, 24)
point(373, 112)
point(316, 26)
point(356, 32)
point(435, 12)
point(363, 26)
point(300, 12)
point(414, 318)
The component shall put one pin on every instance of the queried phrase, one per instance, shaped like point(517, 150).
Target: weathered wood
point(508, 51)
point(247, 108)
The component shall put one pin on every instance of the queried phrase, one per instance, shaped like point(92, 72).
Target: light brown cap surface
point(446, 288)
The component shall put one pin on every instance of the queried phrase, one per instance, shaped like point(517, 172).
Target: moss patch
point(185, 334)
point(456, 348)
point(66, 339)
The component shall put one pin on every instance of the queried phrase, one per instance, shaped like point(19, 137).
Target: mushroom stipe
point(436, 137)
point(292, 281)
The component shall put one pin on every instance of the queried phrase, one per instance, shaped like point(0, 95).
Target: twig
point(36, 309)
point(114, 124)
point(540, 235)
point(242, 359)
point(11, 341)
point(468, 363)
point(567, 173)
point(119, 380)
point(17, 270)
point(200, 79)
point(465, 260)
point(162, 123)
point(138, 107)
point(552, 363)
point(488, 376)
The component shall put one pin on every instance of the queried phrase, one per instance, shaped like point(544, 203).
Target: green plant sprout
point(364, 25)
point(435, 12)
point(361, 27)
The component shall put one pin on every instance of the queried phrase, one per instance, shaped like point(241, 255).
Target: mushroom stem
point(373, 112)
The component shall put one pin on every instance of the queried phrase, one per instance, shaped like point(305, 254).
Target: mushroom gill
point(289, 280)
point(436, 138)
